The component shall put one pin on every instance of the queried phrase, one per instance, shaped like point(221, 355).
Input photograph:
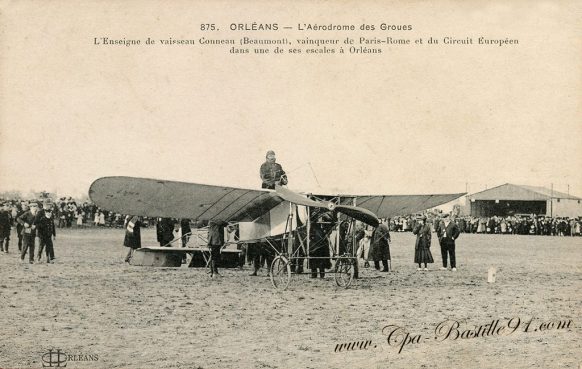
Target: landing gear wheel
point(344, 272)
point(280, 273)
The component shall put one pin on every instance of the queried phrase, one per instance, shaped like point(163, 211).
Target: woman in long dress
point(482, 225)
point(503, 226)
point(80, 215)
point(132, 236)
point(422, 252)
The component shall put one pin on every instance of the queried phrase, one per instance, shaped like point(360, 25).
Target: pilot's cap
point(270, 152)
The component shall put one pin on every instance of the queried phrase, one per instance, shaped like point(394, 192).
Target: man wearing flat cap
point(272, 173)
point(448, 231)
point(46, 231)
point(23, 208)
point(28, 222)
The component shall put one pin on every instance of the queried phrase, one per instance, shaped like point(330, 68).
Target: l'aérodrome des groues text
point(398, 338)
point(307, 38)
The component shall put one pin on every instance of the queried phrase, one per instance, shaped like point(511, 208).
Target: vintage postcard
point(277, 184)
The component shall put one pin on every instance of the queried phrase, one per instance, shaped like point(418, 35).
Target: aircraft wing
point(171, 199)
point(299, 199)
point(388, 206)
point(355, 212)
point(359, 213)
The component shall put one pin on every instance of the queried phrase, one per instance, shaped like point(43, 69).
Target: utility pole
point(552, 201)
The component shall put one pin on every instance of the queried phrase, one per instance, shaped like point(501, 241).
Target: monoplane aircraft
point(280, 218)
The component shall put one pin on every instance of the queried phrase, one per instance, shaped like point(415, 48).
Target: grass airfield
point(108, 314)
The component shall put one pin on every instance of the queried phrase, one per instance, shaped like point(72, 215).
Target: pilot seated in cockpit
point(272, 173)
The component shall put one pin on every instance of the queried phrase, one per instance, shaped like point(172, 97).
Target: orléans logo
point(59, 359)
point(54, 359)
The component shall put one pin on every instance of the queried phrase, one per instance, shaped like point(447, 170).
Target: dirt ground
point(113, 315)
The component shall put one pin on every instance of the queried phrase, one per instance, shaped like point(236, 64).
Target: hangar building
point(510, 199)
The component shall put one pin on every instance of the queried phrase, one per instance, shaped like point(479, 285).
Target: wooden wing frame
point(388, 206)
point(172, 199)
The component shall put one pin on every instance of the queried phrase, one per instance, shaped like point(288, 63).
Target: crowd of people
point(40, 218)
point(32, 220)
point(373, 244)
point(69, 213)
point(516, 224)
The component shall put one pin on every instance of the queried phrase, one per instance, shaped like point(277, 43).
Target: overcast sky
point(411, 120)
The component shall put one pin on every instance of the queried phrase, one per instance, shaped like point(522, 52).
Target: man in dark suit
point(380, 247)
point(28, 222)
point(448, 231)
point(165, 231)
point(5, 225)
point(46, 231)
point(19, 227)
point(215, 243)
point(186, 231)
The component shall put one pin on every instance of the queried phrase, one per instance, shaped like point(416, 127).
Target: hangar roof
point(514, 192)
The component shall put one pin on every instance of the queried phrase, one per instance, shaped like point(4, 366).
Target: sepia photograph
point(274, 184)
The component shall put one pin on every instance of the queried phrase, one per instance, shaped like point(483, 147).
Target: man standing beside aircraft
point(380, 244)
point(165, 231)
point(272, 173)
point(215, 243)
point(186, 231)
point(132, 238)
point(319, 245)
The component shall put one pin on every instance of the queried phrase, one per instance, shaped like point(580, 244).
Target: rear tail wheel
point(344, 272)
point(280, 273)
